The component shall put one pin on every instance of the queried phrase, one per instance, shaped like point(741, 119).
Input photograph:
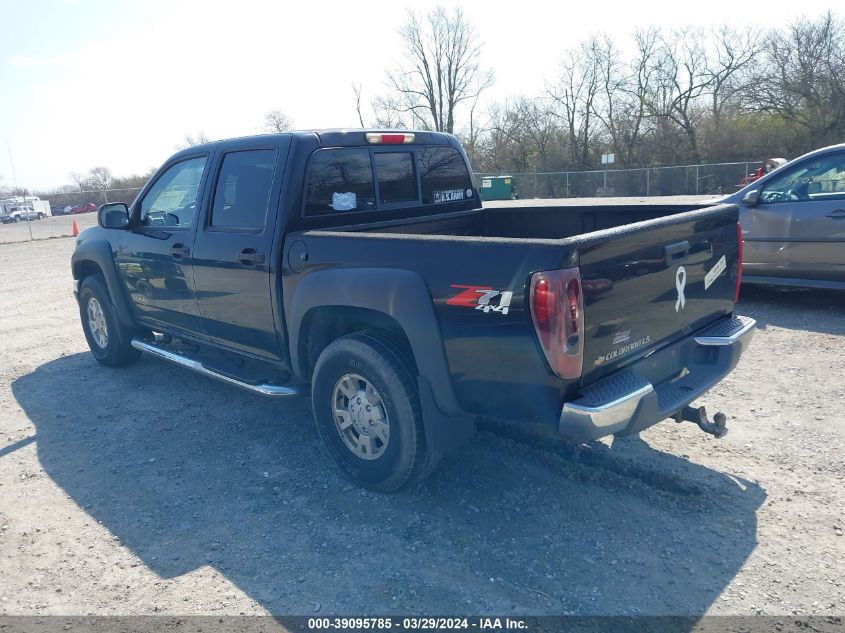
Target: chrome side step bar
point(275, 391)
point(727, 332)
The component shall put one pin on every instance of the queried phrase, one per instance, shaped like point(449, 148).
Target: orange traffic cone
point(75, 229)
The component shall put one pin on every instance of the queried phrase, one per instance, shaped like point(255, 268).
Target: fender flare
point(99, 252)
point(400, 294)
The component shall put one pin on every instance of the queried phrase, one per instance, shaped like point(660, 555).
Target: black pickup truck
point(363, 263)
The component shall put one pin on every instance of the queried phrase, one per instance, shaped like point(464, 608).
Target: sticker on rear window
point(344, 201)
point(449, 195)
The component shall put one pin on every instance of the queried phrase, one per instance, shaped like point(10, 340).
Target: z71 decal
point(482, 298)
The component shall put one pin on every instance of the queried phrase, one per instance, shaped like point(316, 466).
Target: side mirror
point(114, 215)
point(751, 199)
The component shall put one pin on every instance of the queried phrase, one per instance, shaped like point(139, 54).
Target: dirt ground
point(52, 227)
point(153, 490)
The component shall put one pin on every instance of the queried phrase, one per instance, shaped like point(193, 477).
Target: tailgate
point(654, 282)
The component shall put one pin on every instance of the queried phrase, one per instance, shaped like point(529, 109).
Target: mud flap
point(442, 433)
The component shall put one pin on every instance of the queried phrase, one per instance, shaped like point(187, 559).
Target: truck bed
point(542, 219)
point(629, 278)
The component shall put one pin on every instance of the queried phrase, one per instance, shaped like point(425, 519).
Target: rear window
point(345, 180)
point(339, 180)
point(443, 175)
point(396, 179)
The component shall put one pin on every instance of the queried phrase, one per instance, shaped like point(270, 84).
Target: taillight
point(380, 138)
point(557, 308)
point(738, 261)
point(573, 298)
point(540, 302)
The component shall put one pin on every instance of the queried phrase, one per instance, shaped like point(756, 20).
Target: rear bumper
point(640, 395)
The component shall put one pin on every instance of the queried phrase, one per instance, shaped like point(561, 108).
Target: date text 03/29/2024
point(418, 624)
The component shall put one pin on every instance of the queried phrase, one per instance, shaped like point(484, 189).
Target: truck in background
point(24, 208)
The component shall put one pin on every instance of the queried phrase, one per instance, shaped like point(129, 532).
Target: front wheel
point(109, 345)
point(368, 414)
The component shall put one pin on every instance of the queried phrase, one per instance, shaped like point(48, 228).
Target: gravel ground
point(153, 490)
point(52, 227)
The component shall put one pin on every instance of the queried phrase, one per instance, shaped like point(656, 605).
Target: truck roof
point(337, 137)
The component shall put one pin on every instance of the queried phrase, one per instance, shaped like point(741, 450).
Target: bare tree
point(801, 79)
point(682, 79)
point(7, 191)
point(79, 180)
point(630, 118)
point(390, 112)
point(731, 68)
point(191, 140)
point(575, 95)
point(277, 121)
point(99, 179)
point(505, 145)
point(440, 72)
point(356, 88)
point(479, 124)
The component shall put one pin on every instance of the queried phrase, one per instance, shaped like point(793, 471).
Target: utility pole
point(15, 180)
point(607, 160)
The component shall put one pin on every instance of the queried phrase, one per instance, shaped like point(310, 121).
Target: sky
point(119, 83)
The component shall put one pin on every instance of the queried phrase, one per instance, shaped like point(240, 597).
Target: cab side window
point(822, 178)
point(172, 200)
point(242, 195)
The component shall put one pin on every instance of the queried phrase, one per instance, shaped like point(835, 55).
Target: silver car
point(793, 222)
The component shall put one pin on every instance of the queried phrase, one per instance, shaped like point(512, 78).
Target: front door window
point(822, 178)
point(172, 200)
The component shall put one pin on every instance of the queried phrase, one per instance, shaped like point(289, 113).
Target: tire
point(379, 363)
point(109, 343)
point(41, 216)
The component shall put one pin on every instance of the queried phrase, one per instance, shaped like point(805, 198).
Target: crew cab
point(362, 266)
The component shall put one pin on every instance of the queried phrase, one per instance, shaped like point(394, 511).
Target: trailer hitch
point(717, 428)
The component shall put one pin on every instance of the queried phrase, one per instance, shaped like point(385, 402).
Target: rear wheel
point(41, 216)
point(368, 414)
point(108, 342)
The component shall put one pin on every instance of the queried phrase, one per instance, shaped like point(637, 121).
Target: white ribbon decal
point(680, 284)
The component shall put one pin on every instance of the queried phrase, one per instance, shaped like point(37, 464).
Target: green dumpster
point(498, 188)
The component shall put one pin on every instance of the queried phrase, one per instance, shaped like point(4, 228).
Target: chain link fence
point(60, 201)
point(712, 179)
point(67, 209)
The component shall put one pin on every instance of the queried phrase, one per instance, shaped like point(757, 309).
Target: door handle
point(837, 214)
point(179, 251)
point(674, 253)
point(248, 257)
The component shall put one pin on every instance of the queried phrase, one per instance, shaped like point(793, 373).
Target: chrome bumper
point(633, 399)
